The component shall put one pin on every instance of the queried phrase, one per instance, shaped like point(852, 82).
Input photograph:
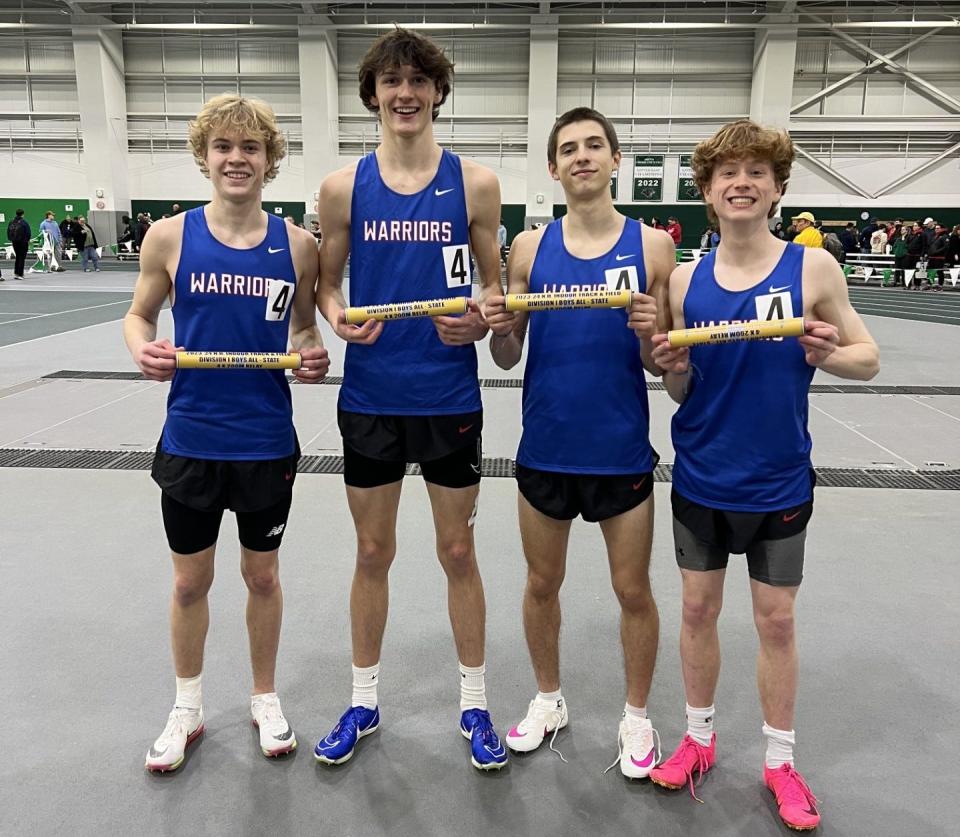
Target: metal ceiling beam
point(837, 85)
point(832, 174)
point(919, 170)
point(933, 90)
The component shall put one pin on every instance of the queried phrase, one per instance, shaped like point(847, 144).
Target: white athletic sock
point(473, 694)
point(550, 697)
point(700, 724)
point(635, 711)
point(779, 746)
point(365, 682)
point(189, 695)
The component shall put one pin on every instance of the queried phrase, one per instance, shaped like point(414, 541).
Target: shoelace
point(616, 761)
point(795, 789)
point(272, 716)
point(178, 724)
point(350, 716)
point(701, 765)
point(541, 715)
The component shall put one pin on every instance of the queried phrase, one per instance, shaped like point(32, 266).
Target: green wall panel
point(34, 210)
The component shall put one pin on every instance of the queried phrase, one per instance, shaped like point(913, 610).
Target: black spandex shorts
point(189, 530)
point(593, 497)
point(376, 449)
point(772, 541)
point(197, 491)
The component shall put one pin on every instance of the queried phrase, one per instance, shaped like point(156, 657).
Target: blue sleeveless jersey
point(584, 394)
point(741, 436)
point(233, 301)
point(405, 248)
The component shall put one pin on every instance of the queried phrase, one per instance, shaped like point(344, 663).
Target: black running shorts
point(593, 497)
point(772, 541)
point(376, 449)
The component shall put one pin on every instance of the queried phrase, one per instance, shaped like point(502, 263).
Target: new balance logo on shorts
point(276, 530)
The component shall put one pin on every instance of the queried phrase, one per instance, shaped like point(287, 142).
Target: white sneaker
point(184, 726)
point(639, 745)
point(542, 719)
point(276, 734)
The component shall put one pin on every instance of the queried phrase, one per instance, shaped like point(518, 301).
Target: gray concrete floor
point(83, 609)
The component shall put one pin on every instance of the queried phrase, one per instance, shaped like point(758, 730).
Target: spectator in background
point(790, 233)
point(315, 231)
point(953, 255)
point(655, 223)
point(86, 240)
point(65, 237)
point(50, 226)
point(831, 243)
point(502, 241)
point(865, 235)
point(929, 233)
point(848, 237)
point(675, 230)
point(779, 232)
point(807, 234)
point(937, 254)
point(916, 248)
point(705, 239)
point(878, 241)
point(715, 239)
point(139, 230)
point(19, 235)
point(898, 246)
point(175, 209)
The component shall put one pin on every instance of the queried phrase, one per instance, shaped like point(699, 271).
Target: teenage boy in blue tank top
point(409, 215)
point(585, 448)
point(238, 280)
point(743, 480)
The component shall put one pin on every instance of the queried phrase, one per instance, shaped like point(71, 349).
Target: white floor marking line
point(138, 391)
point(862, 435)
point(322, 431)
point(68, 311)
point(59, 333)
point(931, 407)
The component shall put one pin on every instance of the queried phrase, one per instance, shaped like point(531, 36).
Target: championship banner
point(648, 178)
point(686, 186)
point(613, 183)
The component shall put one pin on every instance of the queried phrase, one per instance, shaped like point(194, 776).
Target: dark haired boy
point(410, 215)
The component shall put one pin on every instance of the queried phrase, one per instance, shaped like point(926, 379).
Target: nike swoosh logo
point(788, 517)
point(272, 250)
point(620, 258)
point(636, 485)
point(515, 733)
point(288, 476)
point(284, 736)
point(464, 429)
point(774, 290)
point(155, 754)
point(646, 762)
point(441, 192)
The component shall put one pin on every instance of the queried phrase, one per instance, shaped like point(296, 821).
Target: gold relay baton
point(239, 360)
point(734, 332)
point(552, 300)
point(402, 310)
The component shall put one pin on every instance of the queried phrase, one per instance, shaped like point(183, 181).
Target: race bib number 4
point(456, 265)
point(279, 297)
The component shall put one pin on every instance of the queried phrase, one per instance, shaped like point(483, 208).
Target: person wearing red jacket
point(675, 230)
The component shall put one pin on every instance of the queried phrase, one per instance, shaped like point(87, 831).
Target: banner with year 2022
point(686, 186)
point(648, 178)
